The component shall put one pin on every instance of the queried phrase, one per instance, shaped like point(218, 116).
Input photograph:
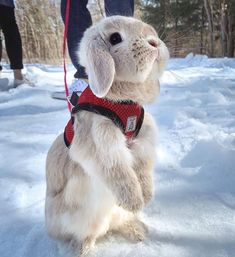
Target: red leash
point(66, 25)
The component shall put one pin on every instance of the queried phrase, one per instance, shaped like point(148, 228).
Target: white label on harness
point(131, 123)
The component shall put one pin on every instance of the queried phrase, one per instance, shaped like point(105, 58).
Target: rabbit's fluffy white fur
point(102, 181)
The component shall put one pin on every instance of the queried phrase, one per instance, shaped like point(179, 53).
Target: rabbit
point(102, 181)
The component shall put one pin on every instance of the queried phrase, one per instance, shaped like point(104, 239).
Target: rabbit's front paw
point(132, 200)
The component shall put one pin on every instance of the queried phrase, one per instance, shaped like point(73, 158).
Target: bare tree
point(209, 12)
point(224, 28)
point(231, 31)
point(41, 30)
point(202, 30)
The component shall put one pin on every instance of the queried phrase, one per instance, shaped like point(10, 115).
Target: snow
point(193, 212)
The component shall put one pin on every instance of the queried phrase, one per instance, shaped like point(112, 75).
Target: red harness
point(126, 115)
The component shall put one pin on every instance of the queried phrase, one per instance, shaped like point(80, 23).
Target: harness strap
point(127, 115)
point(68, 132)
point(109, 114)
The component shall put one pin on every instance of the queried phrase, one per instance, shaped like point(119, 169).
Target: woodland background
point(197, 26)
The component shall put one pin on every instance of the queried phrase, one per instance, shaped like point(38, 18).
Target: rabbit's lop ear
point(100, 68)
point(99, 64)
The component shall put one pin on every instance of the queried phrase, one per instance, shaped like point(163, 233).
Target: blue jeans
point(80, 20)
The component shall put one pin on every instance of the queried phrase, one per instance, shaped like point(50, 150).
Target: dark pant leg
point(0, 48)
point(119, 7)
point(12, 36)
point(79, 21)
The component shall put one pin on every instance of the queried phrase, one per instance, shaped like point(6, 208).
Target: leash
point(66, 25)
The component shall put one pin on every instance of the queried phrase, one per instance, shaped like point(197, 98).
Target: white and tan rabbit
point(103, 180)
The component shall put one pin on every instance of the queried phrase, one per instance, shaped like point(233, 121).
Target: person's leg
point(79, 21)
point(0, 49)
point(12, 40)
point(119, 7)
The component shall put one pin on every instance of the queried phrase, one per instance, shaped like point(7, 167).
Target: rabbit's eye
point(115, 38)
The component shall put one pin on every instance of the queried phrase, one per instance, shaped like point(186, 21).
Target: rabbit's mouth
point(146, 57)
point(157, 55)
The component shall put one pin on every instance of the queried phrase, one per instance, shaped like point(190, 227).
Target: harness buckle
point(73, 99)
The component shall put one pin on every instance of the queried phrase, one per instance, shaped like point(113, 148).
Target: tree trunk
point(224, 29)
point(176, 31)
point(231, 26)
point(100, 8)
point(209, 12)
point(202, 31)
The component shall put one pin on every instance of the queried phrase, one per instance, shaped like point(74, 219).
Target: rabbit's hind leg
point(87, 245)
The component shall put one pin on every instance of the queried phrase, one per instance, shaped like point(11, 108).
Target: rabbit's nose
point(153, 43)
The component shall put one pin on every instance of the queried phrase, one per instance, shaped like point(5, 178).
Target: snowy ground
point(193, 213)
